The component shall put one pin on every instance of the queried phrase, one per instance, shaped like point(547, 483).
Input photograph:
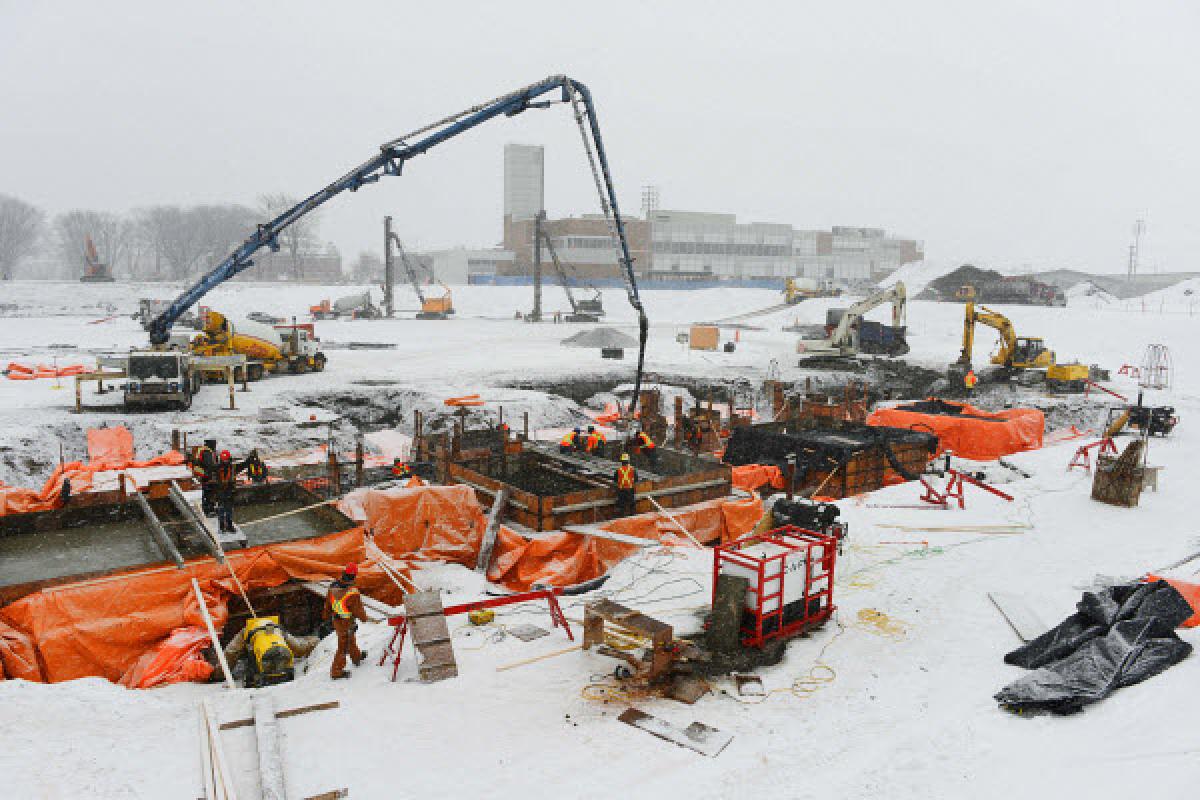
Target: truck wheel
point(185, 403)
point(255, 371)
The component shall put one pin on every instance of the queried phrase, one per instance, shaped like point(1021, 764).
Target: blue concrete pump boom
point(390, 161)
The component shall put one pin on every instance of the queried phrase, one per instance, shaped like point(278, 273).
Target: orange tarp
point(108, 449)
point(752, 476)
point(123, 625)
point(110, 445)
point(563, 559)
point(975, 434)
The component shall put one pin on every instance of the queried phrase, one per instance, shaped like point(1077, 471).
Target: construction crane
point(587, 310)
point(849, 334)
point(1027, 354)
point(94, 270)
point(431, 307)
point(395, 154)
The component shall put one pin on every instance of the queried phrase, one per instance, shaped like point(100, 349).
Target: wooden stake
point(212, 632)
point(223, 777)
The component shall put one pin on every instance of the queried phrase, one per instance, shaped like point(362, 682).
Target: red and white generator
point(790, 574)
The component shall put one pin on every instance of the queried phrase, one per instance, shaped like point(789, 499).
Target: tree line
point(164, 242)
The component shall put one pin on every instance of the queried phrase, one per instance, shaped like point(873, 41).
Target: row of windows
point(717, 249)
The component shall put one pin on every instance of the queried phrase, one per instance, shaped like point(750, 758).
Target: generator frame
point(759, 626)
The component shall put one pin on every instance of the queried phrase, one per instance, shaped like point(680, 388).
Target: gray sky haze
point(1005, 133)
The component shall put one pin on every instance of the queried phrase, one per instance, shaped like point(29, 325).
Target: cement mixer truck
point(267, 348)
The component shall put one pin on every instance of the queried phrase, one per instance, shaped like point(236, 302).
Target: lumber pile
point(1118, 481)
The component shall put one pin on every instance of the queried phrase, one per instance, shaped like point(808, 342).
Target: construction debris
point(704, 739)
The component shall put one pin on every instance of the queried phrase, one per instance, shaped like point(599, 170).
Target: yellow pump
point(270, 660)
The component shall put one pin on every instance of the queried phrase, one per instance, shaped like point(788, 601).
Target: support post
point(536, 314)
point(358, 463)
point(388, 273)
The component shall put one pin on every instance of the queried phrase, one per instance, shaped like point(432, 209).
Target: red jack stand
point(400, 623)
point(1083, 456)
point(954, 490)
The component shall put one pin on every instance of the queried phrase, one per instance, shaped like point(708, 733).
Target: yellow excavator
point(1018, 353)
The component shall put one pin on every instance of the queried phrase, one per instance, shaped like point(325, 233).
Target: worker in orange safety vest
point(343, 605)
point(970, 379)
point(625, 480)
point(571, 442)
point(644, 445)
point(595, 439)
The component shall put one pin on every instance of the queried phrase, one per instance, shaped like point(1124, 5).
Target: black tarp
point(819, 450)
point(1118, 637)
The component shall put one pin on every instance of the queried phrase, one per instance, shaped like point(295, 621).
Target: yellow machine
point(1028, 353)
point(266, 349)
point(437, 307)
point(798, 289)
point(269, 660)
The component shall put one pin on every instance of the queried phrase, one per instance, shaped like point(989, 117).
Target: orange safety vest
point(970, 380)
point(257, 470)
point(594, 440)
point(338, 604)
point(626, 477)
point(198, 468)
point(568, 440)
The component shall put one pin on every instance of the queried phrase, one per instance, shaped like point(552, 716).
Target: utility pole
point(536, 314)
point(388, 274)
point(1139, 228)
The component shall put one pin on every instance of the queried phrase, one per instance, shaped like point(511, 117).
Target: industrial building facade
point(688, 246)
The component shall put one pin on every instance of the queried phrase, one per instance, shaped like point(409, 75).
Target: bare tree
point(20, 226)
point(221, 229)
point(111, 233)
point(298, 237)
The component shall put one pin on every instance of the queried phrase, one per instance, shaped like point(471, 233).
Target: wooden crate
point(704, 337)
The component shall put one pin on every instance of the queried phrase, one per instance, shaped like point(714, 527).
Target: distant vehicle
point(266, 348)
point(797, 289)
point(94, 271)
point(354, 306)
point(849, 334)
point(160, 379)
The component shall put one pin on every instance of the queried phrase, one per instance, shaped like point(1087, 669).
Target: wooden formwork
point(594, 503)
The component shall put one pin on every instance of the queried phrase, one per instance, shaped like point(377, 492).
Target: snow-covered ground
point(906, 713)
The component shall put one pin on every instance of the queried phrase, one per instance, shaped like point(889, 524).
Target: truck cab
point(157, 378)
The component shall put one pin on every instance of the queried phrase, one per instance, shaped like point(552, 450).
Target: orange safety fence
point(464, 400)
point(131, 625)
point(108, 449)
point(1190, 592)
point(971, 433)
point(22, 372)
point(750, 477)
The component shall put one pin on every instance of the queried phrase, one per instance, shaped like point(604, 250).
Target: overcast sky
point(1010, 134)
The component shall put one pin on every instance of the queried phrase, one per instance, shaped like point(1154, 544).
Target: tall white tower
point(524, 180)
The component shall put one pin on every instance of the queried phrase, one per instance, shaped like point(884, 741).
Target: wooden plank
point(287, 712)
point(542, 657)
point(222, 775)
point(212, 633)
point(160, 534)
point(270, 761)
point(336, 794)
point(1024, 621)
point(597, 532)
point(484, 562)
point(206, 766)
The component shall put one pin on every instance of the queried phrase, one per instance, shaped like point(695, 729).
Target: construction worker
point(343, 605)
point(224, 483)
point(203, 463)
point(644, 445)
point(970, 379)
point(400, 469)
point(255, 468)
point(595, 440)
point(571, 442)
point(625, 480)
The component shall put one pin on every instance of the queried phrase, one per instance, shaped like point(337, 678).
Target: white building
point(705, 246)
point(457, 265)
